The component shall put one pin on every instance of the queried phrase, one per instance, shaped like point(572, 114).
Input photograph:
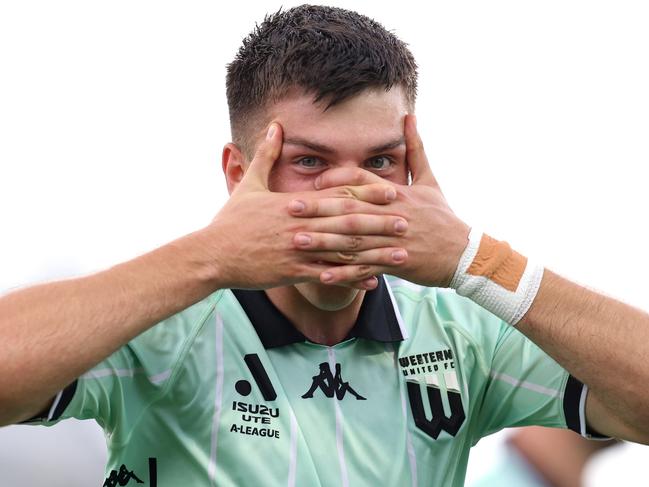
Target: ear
point(234, 165)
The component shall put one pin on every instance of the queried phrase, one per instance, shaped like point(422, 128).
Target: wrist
point(455, 251)
point(202, 259)
point(496, 277)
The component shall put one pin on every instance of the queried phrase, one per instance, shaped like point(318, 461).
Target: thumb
point(267, 153)
point(415, 155)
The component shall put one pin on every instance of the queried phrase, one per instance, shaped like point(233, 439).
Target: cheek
point(283, 179)
point(400, 175)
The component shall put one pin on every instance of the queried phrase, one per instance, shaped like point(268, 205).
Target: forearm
point(52, 333)
point(601, 341)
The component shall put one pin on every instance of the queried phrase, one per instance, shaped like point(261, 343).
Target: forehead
point(367, 119)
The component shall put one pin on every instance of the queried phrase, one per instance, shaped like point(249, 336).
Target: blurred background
point(535, 117)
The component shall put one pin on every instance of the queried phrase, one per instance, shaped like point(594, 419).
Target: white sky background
point(535, 117)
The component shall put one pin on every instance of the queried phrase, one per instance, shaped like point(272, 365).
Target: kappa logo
point(124, 476)
point(331, 384)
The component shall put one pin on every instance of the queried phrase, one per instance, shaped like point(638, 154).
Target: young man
point(331, 375)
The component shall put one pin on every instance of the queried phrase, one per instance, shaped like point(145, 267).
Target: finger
point(346, 274)
point(267, 153)
point(340, 243)
point(367, 284)
point(309, 269)
point(379, 193)
point(358, 224)
point(311, 272)
point(389, 256)
point(367, 199)
point(346, 176)
point(415, 155)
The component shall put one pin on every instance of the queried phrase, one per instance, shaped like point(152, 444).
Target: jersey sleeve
point(117, 383)
point(117, 390)
point(527, 387)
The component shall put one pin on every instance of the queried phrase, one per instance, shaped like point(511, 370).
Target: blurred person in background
point(542, 457)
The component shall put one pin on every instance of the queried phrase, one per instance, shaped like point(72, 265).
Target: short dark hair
point(330, 52)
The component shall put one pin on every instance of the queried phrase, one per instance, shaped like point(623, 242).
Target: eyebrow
point(388, 146)
point(309, 145)
point(323, 149)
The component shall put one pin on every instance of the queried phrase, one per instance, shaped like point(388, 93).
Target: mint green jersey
point(229, 393)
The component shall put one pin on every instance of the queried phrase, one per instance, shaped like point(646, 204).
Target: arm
point(603, 343)
point(52, 333)
point(599, 340)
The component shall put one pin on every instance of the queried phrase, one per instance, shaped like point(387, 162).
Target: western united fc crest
point(429, 376)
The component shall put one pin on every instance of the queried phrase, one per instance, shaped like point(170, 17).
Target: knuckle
point(300, 271)
point(363, 272)
point(354, 242)
point(345, 192)
point(349, 205)
point(358, 177)
point(352, 223)
point(347, 256)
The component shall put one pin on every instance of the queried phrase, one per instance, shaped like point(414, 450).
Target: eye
point(309, 162)
point(379, 163)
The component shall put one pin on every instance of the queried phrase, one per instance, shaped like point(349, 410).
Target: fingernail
point(318, 182)
point(390, 194)
point(327, 277)
point(399, 255)
point(370, 283)
point(302, 239)
point(296, 206)
point(400, 226)
point(271, 131)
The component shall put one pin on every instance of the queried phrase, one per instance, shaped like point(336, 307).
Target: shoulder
point(440, 304)
point(158, 349)
point(438, 315)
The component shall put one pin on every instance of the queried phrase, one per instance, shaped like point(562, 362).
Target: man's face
point(365, 131)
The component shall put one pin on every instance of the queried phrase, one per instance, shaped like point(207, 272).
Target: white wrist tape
point(496, 277)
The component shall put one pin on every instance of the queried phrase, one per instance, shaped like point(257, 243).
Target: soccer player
point(271, 348)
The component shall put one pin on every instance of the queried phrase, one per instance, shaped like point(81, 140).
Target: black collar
point(376, 320)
